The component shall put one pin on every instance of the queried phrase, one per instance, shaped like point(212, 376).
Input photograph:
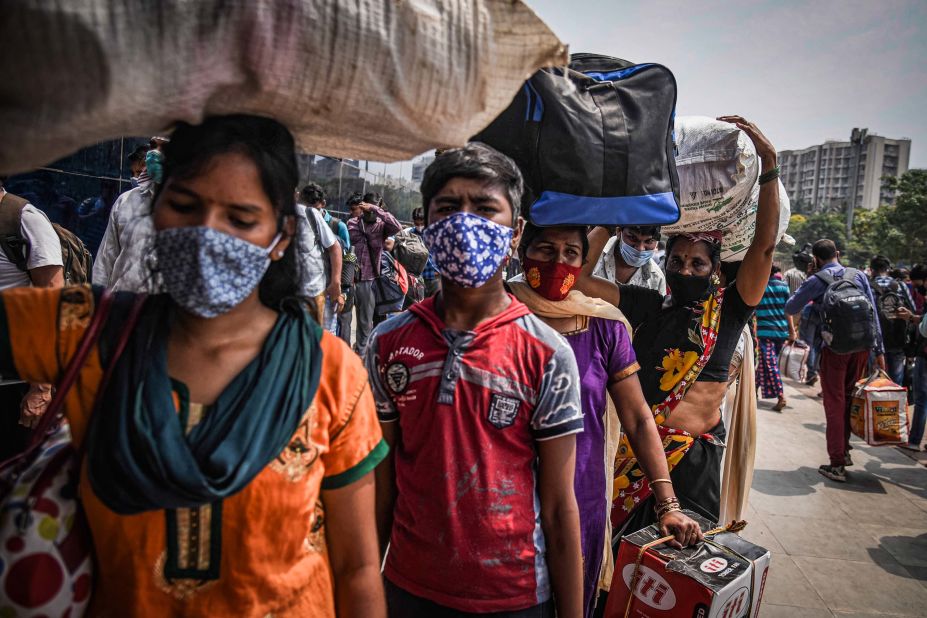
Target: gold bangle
point(671, 509)
point(655, 481)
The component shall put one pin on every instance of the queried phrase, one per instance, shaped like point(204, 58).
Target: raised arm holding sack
point(684, 343)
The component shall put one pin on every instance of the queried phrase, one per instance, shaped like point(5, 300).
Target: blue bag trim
point(555, 208)
point(612, 76)
point(534, 105)
point(538, 111)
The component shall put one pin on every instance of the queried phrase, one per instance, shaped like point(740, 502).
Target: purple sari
point(604, 356)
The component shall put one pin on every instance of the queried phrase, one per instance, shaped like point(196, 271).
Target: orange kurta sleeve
point(45, 327)
point(356, 443)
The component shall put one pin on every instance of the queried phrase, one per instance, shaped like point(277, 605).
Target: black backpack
point(75, 258)
point(889, 298)
point(411, 252)
point(594, 142)
point(846, 312)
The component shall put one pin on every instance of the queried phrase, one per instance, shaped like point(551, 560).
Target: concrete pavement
point(839, 550)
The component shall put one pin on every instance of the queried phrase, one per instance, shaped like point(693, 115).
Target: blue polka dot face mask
point(467, 249)
point(208, 272)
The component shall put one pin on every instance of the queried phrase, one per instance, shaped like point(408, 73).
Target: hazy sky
point(803, 71)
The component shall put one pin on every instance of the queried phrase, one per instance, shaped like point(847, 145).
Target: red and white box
point(723, 577)
point(879, 411)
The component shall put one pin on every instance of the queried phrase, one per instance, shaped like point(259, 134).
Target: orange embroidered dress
point(273, 556)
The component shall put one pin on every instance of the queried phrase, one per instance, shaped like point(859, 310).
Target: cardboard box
point(879, 411)
point(723, 578)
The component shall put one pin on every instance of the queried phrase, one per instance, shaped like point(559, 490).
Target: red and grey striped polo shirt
point(471, 406)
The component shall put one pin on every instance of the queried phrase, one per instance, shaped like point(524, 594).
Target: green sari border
point(365, 465)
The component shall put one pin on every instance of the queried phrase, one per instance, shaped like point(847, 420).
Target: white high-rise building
point(821, 177)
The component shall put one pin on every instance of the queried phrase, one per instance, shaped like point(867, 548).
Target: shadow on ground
point(908, 551)
point(799, 482)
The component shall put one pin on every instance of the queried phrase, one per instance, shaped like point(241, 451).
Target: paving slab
point(758, 533)
point(908, 546)
point(839, 550)
point(787, 611)
point(786, 585)
point(802, 536)
point(863, 586)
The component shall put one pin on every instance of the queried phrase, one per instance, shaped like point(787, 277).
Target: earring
point(715, 279)
point(279, 254)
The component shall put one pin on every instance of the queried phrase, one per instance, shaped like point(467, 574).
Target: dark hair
point(311, 194)
point(353, 200)
point(479, 162)
point(138, 154)
point(418, 213)
point(373, 198)
point(714, 249)
point(879, 264)
point(269, 145)
point(801, 259)
point(918, 271)
point(643, 230)
point(730, 270)
point(532, 232)
point(824, 249)
point(774, 269)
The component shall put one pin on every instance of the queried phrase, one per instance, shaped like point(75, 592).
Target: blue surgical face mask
point(633, 257)
point(208, 272)
point(467, 249)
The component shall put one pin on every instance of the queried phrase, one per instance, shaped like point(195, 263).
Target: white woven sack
point(793, 361)
point(718, 168)
point(369, 79)
point(737, 238)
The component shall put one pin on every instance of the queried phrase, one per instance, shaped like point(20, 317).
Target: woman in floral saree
point(684, 344)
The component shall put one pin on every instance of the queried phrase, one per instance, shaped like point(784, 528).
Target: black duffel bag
point(594, 142)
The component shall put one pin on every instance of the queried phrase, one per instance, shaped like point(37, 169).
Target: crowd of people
point(263, 421)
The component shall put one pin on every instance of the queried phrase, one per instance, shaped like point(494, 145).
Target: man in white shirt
point(122, 261)
point(44, 268)
point(628, 258)
point(320, 255)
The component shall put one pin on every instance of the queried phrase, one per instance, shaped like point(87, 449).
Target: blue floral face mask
point(467, 249)
point(207, 272)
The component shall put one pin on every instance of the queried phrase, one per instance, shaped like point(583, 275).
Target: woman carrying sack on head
point(596, 331)
point(227, 467)
point(684, 343)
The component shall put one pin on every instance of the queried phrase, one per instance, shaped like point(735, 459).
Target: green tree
point(909, 215)
point(809, 228)
point(875, 233)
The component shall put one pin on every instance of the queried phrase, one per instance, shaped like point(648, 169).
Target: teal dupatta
point(139, 457)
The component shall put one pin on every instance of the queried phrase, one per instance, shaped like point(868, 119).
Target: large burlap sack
point(718, 171)
point(370, 79)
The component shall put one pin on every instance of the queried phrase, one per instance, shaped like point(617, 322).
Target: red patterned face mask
point(552, 280)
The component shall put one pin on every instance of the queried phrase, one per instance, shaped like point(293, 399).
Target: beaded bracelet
point(769, 176)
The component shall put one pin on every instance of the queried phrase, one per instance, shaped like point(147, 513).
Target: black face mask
point(922, 289)
point(688, 289)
